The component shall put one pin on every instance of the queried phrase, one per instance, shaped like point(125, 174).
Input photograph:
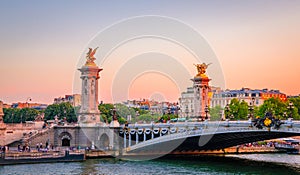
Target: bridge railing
point(163, 131)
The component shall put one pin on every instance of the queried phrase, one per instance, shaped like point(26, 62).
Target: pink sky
point(256, 43)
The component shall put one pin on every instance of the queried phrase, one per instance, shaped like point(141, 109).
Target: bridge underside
point(211, 142)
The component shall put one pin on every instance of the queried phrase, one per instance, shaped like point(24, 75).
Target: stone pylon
point(201, 89)
point(89, 112)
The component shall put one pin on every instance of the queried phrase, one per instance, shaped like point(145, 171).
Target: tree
point(167, 117)
point(243, 110)
point(215, 113)
point(51, 111)
point(15, 115)
point(296, 102)
point(28, 114)
point(237, 110)
point(62, 110)
point(147, 117)
point(234, 108)
point(11, 115)
point(275, 106)
point(105, 112)
point(124, 111)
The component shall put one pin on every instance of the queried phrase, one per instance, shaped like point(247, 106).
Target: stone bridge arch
point(104, 142)
point(65, 138)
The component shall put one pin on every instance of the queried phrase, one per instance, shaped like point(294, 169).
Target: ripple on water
point(201, 165)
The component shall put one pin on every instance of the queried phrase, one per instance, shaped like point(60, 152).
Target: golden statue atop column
point(201, 68)
point(90, 57)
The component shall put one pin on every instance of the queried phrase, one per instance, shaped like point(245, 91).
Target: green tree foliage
point(278, 108)
point(168, 117)
point(273, 105)
point(141, 111)
point(215, 113)
point(11, 115)
point(237, 110)
point(61, 110)
point(147, 117)
point(15, 115)
point(105, 112)
point(122, 112)
point(296, 102)
point(243, 110)
point(28, 114)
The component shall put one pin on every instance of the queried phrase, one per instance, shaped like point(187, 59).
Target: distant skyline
point(257, 43)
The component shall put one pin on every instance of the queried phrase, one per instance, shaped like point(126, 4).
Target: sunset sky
point(257, 43)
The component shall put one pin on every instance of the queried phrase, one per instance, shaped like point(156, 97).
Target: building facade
point(221, 98)
point(74, 100)
point(258, 96)
point(186, 103)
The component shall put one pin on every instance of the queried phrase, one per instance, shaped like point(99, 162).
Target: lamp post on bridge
point(176, 111)
point(251, 109)
point(285, 115)
point(206, 110)
point(227, 109)
point(290, 108)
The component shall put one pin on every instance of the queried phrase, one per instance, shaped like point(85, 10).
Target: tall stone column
point(201, 90)
point(89, 112)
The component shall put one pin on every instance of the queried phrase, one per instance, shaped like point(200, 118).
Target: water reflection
point(258, 164)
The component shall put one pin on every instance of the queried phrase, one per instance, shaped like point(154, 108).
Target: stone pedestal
point(201, 99)
point(89, 112)
point(114, 124)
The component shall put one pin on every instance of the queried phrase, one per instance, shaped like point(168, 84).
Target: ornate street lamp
point(176, 111)
point(227, 109)
point(250, 108)
point(290, 108)
point(285, 115)
point(206, 110)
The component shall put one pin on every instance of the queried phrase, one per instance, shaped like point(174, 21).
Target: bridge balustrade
point(160, 132)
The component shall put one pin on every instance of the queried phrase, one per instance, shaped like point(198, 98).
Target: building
point(223, 97)
point(153, 106)
point(258, 96)
point(21, 105)
point(74, 100)
point(186, 103)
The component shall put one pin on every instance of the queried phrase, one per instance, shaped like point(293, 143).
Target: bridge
point(196, 136)
point(163, 138)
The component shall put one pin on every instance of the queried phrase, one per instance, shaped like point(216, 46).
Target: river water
point(264, 164)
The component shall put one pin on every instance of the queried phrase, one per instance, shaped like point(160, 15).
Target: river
point(245, 164)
